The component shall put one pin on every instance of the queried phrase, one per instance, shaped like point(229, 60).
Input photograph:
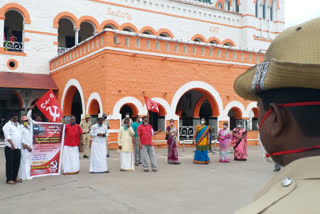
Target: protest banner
point(48, 139)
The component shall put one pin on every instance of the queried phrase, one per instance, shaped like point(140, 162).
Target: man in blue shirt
point(137, 122)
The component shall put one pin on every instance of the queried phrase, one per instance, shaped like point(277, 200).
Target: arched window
point(164, 35)
point(86, 30)
point(219, 6)
point(147, 32)
point(198, 40)
point(13, 31)
point(128, 29)
point(66, 35)
point(227, 44)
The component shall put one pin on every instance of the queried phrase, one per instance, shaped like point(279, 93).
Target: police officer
point(287, 88)
point(86, 128)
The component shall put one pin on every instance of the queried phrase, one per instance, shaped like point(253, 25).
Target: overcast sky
point(298, 11)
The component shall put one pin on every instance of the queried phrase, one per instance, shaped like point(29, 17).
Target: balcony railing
point(62, 50)
point(13, 46)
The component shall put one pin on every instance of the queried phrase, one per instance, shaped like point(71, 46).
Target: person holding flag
point(145, 133)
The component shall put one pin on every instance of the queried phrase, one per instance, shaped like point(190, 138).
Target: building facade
point(107, 55)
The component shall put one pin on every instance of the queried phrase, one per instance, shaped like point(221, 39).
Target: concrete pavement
point(186, 188)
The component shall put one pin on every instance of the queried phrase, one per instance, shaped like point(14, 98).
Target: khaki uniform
point(86, 128)
point(294, 190)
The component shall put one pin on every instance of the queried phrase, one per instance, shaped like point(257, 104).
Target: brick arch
point(134, 109)
point(166, 31)
point(109, 22)
point(237, 112)
point(148, 28)
point(18, 7)
point(132, 102)
point(94, 108)
point(198, 36)
point(129, 25)
point(205, 95)
point(67, 104)
point(71, 87)
point(67, 15)
point(91, 20)
point(214, 39)
point(212, 94)
point(228, 41)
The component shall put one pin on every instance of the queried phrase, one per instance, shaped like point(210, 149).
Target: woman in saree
point(202, 139)
point(171, 136)
point(224, 138)
point(240, 143)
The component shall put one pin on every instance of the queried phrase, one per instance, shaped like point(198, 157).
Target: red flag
point(49, 106)
point(151, 105)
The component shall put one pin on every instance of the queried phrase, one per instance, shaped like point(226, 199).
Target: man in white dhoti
point(25, 163)
point(72, 138)
point(98, 157)
point(125, 136)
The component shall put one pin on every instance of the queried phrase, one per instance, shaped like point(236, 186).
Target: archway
point(129, 108)
point(86, 30)
point(235, 115)
point(73, 104)
point(66, 35)
point(13, 31)
point(193, 105)
point(94, 110)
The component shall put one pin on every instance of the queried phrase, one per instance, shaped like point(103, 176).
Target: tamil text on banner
point(47, 146)
point(151, 105)
point(49, 106)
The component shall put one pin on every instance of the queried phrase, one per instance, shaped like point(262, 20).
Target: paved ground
point(186, 188)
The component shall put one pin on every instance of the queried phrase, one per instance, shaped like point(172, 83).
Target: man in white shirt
point(26, 148)
point(13, 141)
point(98, 159)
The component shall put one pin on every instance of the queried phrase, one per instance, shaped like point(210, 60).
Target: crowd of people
point(134, 142)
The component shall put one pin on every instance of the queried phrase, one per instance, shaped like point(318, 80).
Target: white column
point(269, 22)
point(1, 32)
point(261, 19)
point(76, 36)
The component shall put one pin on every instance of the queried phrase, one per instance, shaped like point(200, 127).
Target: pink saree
point(172, 146)
point(240, 153)
point(224, 139)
